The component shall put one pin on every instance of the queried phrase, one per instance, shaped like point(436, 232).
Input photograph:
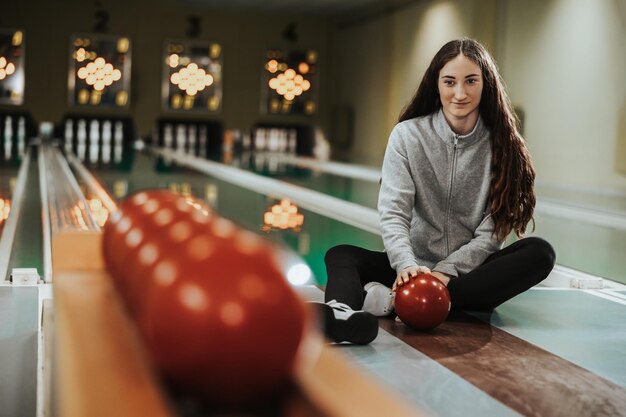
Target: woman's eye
point(472, 81)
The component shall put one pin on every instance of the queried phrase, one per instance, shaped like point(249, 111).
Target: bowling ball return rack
point(95, 363)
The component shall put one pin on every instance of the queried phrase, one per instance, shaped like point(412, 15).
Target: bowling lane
point(559, 323)
point(516, 373)
point(245, 207)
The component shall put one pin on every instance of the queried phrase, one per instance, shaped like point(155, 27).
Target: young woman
point(457, 179)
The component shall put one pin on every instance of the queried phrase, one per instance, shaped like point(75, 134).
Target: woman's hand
point(404, 275)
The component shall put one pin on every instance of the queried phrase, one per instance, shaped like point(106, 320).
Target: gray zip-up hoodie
point(433, 200)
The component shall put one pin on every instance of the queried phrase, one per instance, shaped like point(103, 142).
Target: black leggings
point(502, 276)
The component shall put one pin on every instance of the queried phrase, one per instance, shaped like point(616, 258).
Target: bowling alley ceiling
point(300, 6)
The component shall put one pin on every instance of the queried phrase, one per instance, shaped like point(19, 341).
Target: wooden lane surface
point(522, 376)
point(102, 369)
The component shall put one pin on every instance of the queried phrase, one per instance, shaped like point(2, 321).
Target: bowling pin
point(278, 135)
point(193, 138)
point(81, 139)
point(168, 136)
point(107, 130)
point(118, 135)
point(8, 129)
point(272, 140)
point(181, 138)
point(81, 134)
point(94, 141)
point(21, 136)
point(69, 135)
point(293, 140)
point(118, 141)
point(106, 141)
point(259, 140)
point(246, 141)
point(279, 139)
point(203, 141)
point(8, 136)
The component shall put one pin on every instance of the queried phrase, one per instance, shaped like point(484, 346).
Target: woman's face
point(460, 88)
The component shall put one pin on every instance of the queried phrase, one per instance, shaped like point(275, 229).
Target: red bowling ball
point(423, 303)
point(210, 300)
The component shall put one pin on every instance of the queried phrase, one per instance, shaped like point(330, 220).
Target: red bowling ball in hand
point(422, 303)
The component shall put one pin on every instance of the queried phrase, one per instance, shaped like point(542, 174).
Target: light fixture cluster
point(82, 54)
point(289, 84)
point(173, 60)
point(191, 79)
point(283, 215)
point(274, 66)
point(6, 68)
point(99, 74)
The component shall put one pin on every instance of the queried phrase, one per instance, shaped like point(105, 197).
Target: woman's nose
point(459, 91)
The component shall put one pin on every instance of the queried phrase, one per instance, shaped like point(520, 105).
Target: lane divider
point(353, 214)
point(358, 172)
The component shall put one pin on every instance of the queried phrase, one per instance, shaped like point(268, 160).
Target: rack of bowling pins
point(97, 140)
point(15, 132)
point(205, 139)
point(199, 138)
point(290, 139)
point(264, 139)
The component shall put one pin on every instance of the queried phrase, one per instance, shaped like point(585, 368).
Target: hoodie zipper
point(449, 201)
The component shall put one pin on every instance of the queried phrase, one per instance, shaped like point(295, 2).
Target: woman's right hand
point(404, 275)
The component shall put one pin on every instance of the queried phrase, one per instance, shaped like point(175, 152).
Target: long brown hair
point(511, 193)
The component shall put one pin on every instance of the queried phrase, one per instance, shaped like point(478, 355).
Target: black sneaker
point(342, 324)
